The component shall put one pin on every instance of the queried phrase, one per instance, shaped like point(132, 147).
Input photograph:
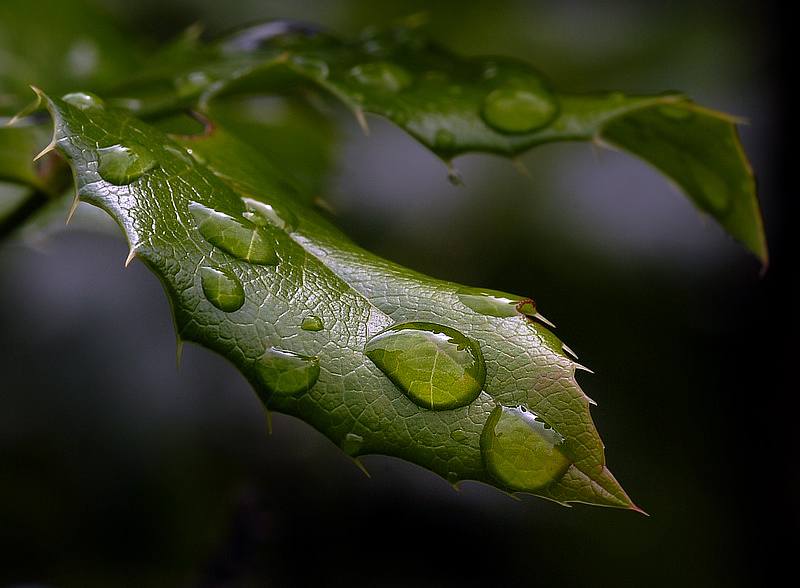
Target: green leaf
point(301, 323)
point(454, 105)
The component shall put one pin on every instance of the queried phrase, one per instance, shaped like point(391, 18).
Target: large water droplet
point(521, 105)
point(382, 74)
point(286, 373)
point(222, 288)
point(123, 164)
point(435, 366)
point(261, 214)
point(521, 450)
point(312, 323)
point(84, 100)
point(239, 238)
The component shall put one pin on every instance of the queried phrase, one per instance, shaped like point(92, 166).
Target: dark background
point(116, 469)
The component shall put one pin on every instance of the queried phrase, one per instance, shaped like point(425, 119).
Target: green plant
point(323, 330)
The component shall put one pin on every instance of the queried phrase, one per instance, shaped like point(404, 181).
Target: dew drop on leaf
point(520, 450)
point(490, 302)
point(315, 68)
point(84, 100)
point(222, 288)
point(435, 366)
point(383, 75)
point(286, 373)
point(123, 164)
point(312, 323)
point(351, 444)
point(519, 106)
point(239, 238)
point(261, 214)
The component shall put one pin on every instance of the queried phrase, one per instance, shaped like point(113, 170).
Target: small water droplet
point(435, 366)
point(458, 435)
point(351, 444)
point(382, 74)
point(521, 450)
point(316, 68)
point(262, 214)
point(521, 105)
point(491, 302)
point(123, 164)
point(444, 139)
point(84, 100)
point(489, 70)
point(239, 238)
point(191, 84)
point(197, 156)
point(312, 323)
point(675, 112)
point(222, 288)
point(273, 33)
point(287, 373)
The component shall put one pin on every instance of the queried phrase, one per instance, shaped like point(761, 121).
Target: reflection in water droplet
point(84, 100)
point(239, 238)
point(435, 366)
point(351, 444)
point(222, 288)
point(382, 74)
point(520, 106)
point(312, 323)
point(520, 450)
point(261, 214)
point(286, 373)
point(123, 164)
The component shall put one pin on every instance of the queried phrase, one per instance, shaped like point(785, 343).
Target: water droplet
point(192, 84)
point(489, 70)
point(521, 450)
point(222, 288)
point(239, 238)
point(496, 303)
point(286, 373)
point(316, 68)
point(351, 444)
point(312, 323)
point(519, 106)
point(444, 139)
point(261, 214)
point(435, 366)
point(491, 302)
point(123, 164)
point(382, 74)
point(84, 100)
point(675, 112)
point(277, 33)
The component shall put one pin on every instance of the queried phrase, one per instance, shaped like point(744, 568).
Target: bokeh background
point(117, 469)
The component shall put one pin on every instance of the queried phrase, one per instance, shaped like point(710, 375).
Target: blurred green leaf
point(454, 105)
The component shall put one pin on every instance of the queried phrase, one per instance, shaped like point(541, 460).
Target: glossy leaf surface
point(323, 374)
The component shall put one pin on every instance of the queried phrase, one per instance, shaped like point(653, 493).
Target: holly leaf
point(455, 105)
point(467, 383)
